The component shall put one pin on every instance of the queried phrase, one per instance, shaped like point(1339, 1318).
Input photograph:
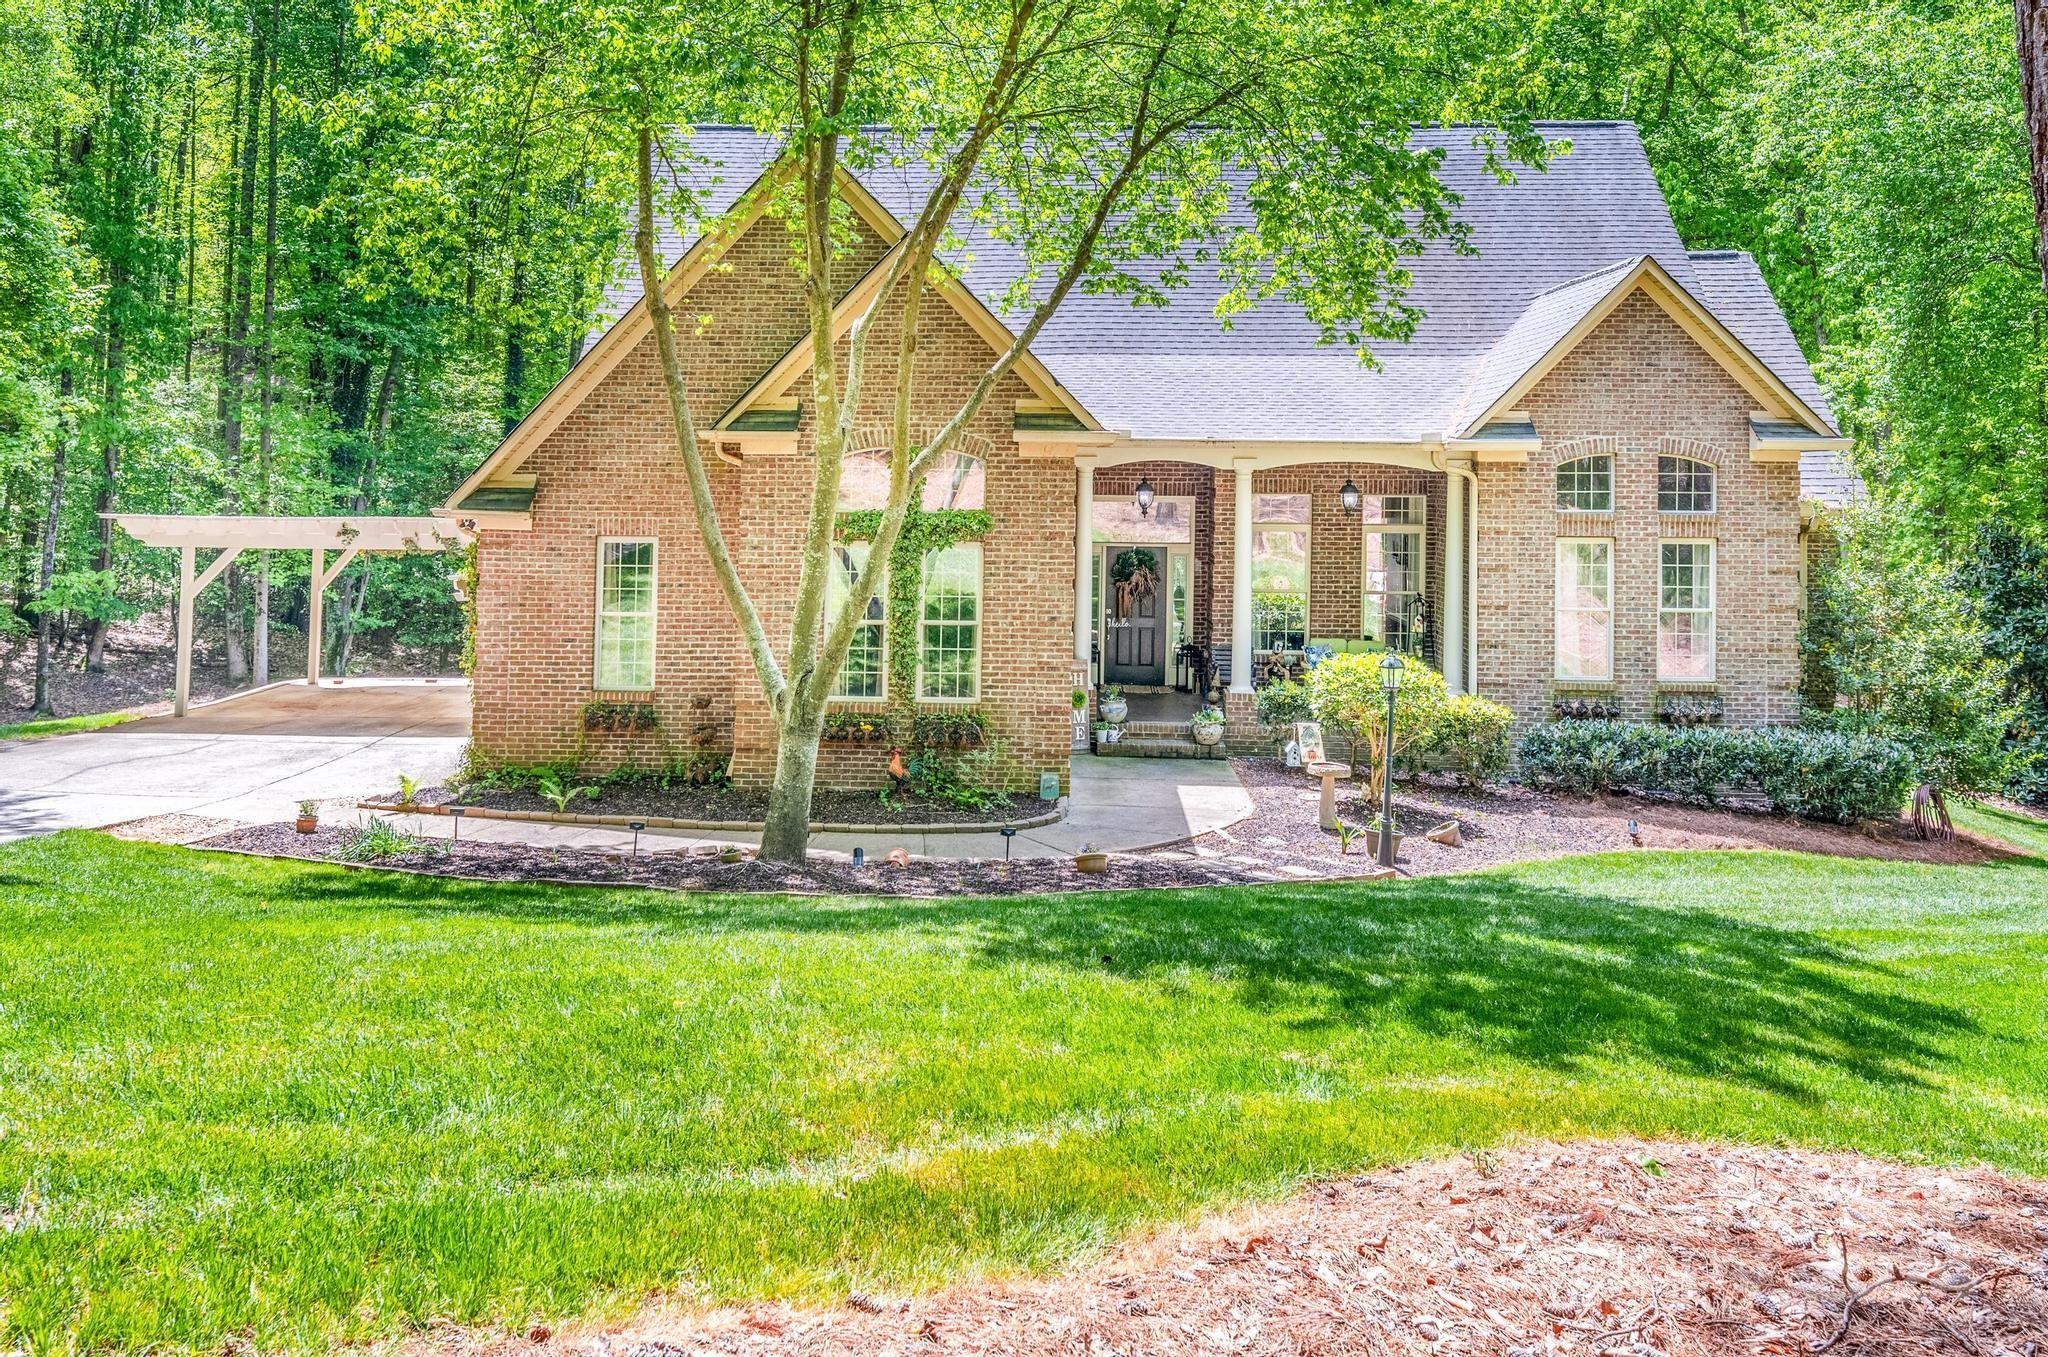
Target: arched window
point(1585, 485)
point(1685, 485)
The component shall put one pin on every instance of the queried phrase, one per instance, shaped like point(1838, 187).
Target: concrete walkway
point(1117, 805)
point(250, 757)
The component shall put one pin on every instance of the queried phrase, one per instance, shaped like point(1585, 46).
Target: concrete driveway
point(249, 757)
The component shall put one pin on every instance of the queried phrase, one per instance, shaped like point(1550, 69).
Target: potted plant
point(1208, 727)
point(1114, 708)
point(309, 817)
point(1091, 861)
point(1372, 838)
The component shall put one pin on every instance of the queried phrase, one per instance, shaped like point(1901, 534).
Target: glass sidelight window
point(1394, 540)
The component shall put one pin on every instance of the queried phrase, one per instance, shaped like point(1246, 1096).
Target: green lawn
point(65, 725)
point(307, 1105)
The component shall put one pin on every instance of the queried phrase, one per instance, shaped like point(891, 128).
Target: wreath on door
point(1134, 577)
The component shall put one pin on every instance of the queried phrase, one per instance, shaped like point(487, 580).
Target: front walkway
point(1117, 805)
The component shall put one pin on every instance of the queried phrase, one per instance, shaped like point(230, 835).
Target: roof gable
point(1558, 321)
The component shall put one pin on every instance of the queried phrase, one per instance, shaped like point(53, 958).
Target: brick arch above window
point(873, 438)
point(1696, 449)
point(1597, 445)
point(954, 480)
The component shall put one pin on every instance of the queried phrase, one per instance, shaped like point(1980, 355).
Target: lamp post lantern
point(1390, 684)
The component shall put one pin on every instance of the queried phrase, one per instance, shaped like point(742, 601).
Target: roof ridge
point(1628, 263)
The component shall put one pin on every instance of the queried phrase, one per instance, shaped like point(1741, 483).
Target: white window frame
point(1713, 484)
point(1712, 610)
point(980, 615)
point(1420, 532)
point(1558, 471)
point(598, 616)
point(1308, 562)
point(835, 598)
point(1557, 610)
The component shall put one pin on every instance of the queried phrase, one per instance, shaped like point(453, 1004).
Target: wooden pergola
point(229, 535)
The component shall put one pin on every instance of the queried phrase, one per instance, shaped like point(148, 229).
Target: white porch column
point(1453, 639)
point(314, 597)
point(1084, 560)
point(1241, 583)
point(182, 693)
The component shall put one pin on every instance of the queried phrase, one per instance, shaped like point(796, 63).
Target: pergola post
point(316, 595)
point(189, 586)
point(314, 632)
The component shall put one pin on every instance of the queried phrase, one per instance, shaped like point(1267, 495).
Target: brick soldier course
point(1581, 328)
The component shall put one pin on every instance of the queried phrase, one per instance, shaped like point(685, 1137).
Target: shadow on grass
point(1564, 979)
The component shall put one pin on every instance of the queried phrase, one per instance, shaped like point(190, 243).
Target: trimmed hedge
point(1815, 774)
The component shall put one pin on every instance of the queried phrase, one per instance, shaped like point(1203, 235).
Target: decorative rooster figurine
point(898, 774)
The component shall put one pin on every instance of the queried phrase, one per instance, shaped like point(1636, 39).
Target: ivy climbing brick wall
point(1637, 385)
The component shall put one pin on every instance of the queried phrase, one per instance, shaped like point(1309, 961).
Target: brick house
point(1579, 481)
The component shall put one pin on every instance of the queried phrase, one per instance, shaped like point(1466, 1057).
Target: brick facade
point(1639, 384)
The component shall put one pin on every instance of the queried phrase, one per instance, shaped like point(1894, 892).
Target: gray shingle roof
point(1543, 246)
point(1826, 477)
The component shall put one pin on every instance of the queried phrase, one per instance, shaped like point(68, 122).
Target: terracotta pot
point(306, 824)
point(1091, 864)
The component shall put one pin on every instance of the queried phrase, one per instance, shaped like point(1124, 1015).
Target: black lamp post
point(1348, 496)
point(1390, 684)
point(1145, 495)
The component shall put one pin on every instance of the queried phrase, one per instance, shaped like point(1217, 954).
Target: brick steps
point(1159, 740)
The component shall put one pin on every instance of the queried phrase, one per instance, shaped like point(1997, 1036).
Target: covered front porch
point(1204, 572)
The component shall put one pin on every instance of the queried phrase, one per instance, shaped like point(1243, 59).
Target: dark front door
point(1134, 614)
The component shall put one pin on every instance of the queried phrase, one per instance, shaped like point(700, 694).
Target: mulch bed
point(1514, 824)
point(700, 870)
point(729, 806)
point(1620, 1248)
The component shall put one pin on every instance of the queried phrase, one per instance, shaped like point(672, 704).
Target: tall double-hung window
point(625, 615)
point(862, 674)
point(1280, 572)
point(1585, 608)
point(1685, 611)
point(949, 630)
point(1394, 539)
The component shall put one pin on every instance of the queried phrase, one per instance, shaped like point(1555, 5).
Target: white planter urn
point(1208, 735)
point(1115, 710)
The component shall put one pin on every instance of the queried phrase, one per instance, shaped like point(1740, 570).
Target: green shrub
point(957, 783)
point(1284, 703)
point(1815, 774)
point(1345, 696)
point(378, 840)
point(1472, 737)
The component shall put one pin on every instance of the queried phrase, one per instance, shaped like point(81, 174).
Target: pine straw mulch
point(1619, 1248)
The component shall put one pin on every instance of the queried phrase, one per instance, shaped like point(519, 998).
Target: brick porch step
point(1159, 747)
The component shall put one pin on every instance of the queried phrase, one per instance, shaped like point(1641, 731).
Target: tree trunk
point(786, 833)
point(266, 363)
point(2030, 21)
point(48, 569)
point(110, 460)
